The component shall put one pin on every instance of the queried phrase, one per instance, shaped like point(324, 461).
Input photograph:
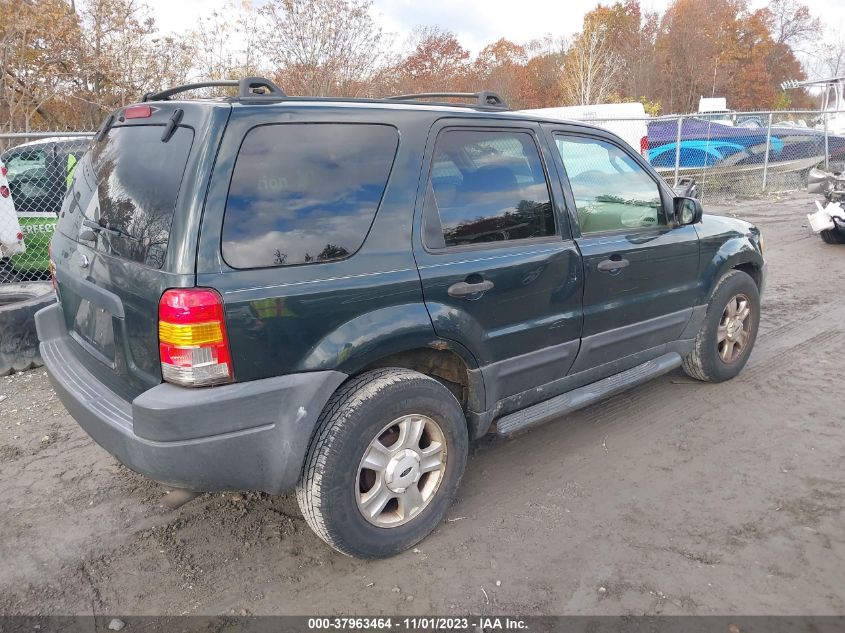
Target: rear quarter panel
point(339, 315)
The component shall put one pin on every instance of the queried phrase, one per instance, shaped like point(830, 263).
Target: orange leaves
point(438, 62)
point(61, 68)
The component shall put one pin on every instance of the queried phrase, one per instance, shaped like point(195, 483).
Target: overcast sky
point(476, 22)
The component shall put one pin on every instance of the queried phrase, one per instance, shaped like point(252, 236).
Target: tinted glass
point(490, 187)
point(304, 193)
point(127, 186)
point(611, 190)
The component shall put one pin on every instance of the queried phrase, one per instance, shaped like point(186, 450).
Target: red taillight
point(193, 344)
point(644, 147)
point(4, 191)
point(138, 112)
point(3, 170)
point(19, 236)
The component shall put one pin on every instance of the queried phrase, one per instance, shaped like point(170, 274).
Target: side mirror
point(688, 211)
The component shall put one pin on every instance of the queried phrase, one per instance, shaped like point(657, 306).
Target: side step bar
point(584, 396)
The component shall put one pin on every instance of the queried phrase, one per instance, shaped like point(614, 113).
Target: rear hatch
point(127, 231)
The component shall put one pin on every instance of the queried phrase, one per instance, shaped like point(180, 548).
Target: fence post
point(678, 150)
point(826, 144)
point(768, 149)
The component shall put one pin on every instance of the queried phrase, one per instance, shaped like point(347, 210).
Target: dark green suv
point(335, 295)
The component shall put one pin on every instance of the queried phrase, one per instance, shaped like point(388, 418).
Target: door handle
point(612, 265)
point(463, 289)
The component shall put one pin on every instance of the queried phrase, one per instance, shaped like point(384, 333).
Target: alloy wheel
point(734, 329)
point(401, 471)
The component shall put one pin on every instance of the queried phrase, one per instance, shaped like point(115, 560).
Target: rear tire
point(725, 340)
point(412, 431)
point(833, 236)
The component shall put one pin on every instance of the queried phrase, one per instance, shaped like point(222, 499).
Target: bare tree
point(790, 22)
point(211, 39)
point(590, 67)
point(323, 47)
point(829, 60)
point(223, 47)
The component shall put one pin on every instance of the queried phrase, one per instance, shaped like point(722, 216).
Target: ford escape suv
point(336, 296)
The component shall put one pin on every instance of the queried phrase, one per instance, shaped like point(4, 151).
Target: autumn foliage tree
point(502, 64)
point(66, 65)
point(323, 47)
point(36, 62)
point(436, 63)
point(630, 33)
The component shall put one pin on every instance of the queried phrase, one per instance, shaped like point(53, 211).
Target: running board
point(584, 396)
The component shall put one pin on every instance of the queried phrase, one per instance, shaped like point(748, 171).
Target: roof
point(387, 104)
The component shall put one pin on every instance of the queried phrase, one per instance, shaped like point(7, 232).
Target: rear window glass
point(124, 192)
point(305, 193)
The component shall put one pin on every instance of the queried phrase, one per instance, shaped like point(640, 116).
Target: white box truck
point(628, 120)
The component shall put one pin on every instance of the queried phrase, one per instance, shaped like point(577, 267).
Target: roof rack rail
point(249, 89)
point(483, 99)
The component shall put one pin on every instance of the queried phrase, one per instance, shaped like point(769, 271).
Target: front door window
point(612, 192)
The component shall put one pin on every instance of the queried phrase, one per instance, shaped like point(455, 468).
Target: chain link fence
point(37, 170)
point(737, 154)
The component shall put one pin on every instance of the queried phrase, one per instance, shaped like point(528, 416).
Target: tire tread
point(322, 447)
point(693, 364)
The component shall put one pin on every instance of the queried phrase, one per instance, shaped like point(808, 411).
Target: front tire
point(726, 337)
point(384, 464)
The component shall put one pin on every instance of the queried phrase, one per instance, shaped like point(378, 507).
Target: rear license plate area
point(93, 329)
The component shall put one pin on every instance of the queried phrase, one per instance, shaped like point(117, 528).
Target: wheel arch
point(443, 360)
point(753, 270)
point(735, 254)
point(400, 336)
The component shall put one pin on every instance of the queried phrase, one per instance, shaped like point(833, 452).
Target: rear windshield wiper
point(102, 224)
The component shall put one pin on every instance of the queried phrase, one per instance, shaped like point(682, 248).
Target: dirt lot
point(674, 498)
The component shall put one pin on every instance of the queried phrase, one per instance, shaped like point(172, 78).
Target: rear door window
point(488, 186)
point(125, 192)
point(305, 193)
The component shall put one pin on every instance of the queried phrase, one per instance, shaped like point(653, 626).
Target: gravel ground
point(675, 498)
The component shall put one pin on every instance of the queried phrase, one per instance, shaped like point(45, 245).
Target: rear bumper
point(245, 436)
